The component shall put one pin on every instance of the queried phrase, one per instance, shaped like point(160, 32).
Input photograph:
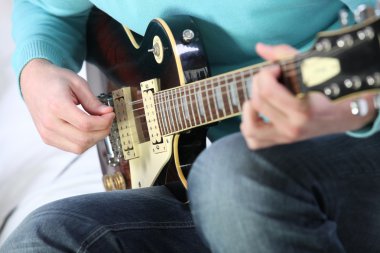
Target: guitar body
point(127, 59)
point(159, 87)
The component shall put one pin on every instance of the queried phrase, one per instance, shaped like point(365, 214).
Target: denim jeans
point(320, 195)
point(143, 220)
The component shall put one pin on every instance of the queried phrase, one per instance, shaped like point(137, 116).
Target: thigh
point(312, 187)
point(144, 220)
point(343, 176)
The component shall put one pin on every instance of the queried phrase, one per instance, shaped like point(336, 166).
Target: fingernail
point(264, 46)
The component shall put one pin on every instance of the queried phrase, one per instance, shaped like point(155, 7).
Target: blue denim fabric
point(320, 195)
point(144, 220)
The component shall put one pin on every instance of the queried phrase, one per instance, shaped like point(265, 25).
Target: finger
point(262, 96)
point(272, 53)
point(69, 138)
point(253, 126)
point(282, 100)
point(83, 121)
point(86, 98)
point(259, 134)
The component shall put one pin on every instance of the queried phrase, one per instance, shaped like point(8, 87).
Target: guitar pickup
point(148, 88)
point(126, 122)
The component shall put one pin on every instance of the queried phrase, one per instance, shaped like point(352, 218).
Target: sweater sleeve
point(50, 29)
point(375, 125)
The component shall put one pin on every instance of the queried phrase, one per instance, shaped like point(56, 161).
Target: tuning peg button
point(371, 81)
point(377, 78)
point(332, 91)
point(345, 41)
point(323, 45)
point(363, 12)
point(344, 17)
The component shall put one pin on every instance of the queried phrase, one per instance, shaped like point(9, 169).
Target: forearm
point(43, 31)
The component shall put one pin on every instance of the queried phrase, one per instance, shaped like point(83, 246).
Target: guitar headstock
point(343, 62)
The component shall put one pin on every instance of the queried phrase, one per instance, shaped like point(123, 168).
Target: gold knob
point(114, 182)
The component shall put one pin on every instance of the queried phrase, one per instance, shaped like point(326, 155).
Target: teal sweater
point(55, 30)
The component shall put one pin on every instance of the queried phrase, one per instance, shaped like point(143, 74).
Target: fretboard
point(210, 100)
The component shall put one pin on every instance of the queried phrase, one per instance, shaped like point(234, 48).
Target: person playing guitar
point(292, 180)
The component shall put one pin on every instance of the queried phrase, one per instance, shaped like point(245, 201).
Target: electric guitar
point(164, 96)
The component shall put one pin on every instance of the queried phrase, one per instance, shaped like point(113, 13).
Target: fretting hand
point(291, 119)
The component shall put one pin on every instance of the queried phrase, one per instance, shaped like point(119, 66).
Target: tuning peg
point(363, 12)
point(359, 107)
point(344, 17)
point(376, 102)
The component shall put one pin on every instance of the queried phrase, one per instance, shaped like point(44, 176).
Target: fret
point(190, 110)
point(175, 99)
point(191, 106)
point(161, 106)
point(214, 98)
point(242, 78)
point(199, 104)
point(208, 100)
point(170, 114)
point(159, 116)
point(185, 105)
point(240, 91)
point(173, 110)
point(232, 87)
point(184, 109)
point(165, 111)
point(291, 75)
point(203, 91)
point(219, 99)
point(248, 80)
point(226, 95)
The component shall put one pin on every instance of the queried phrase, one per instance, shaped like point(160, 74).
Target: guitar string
point(290, 72)
point(255, 69)
point(241, 85)
point(165, 94)
point(293, 62)
point(191, 126)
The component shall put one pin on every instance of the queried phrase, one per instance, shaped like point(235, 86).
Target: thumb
point(272, 53)
point(88, 100)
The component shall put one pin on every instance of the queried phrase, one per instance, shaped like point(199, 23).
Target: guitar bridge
point(112, 141)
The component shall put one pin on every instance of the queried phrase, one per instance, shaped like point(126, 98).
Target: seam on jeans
point(43, 213)
point(105, 229)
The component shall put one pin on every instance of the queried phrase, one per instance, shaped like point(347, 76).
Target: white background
point(30, 171)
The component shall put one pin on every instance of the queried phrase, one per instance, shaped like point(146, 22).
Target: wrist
point(30, 70)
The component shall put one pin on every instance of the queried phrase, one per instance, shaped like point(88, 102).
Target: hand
point(52, 95)
point(291, 119)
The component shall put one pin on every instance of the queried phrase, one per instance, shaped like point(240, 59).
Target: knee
point(48, 227)
point(216, 165)
point(217, 171)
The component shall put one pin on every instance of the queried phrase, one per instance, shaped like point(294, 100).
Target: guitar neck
point(213, 99)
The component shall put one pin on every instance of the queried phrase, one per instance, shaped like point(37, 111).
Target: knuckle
point(84, 141)
point(81, 146)
point(84, 125)
point(252, 144)
point(266, 91)
point(255, 104)
point(246, 132)
point(293, 133)
point(47, 124)
point(55, 106)
point(77, 149)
